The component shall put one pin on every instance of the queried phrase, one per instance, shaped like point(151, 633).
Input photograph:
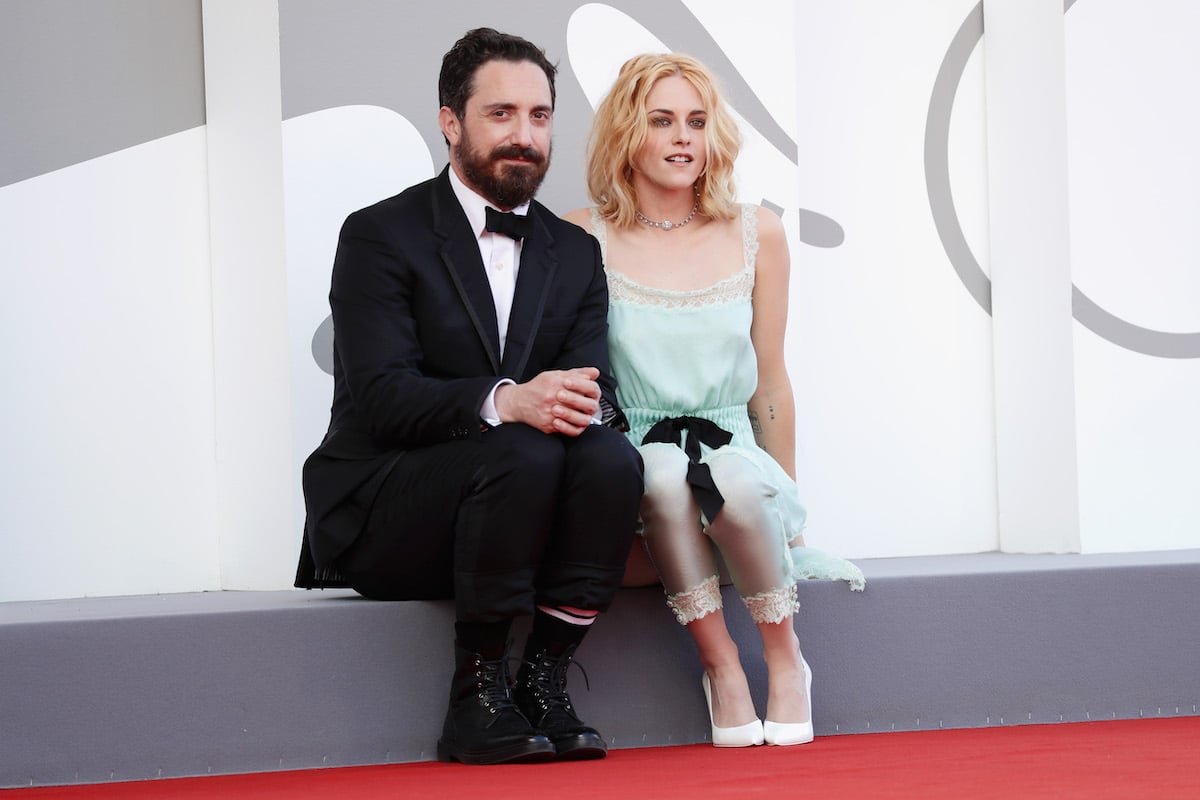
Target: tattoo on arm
point(755, 424)
point(771, 410)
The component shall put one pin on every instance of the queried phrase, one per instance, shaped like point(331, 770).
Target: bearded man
point(474, 448)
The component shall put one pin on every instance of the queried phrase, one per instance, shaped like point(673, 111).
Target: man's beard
point(509, 186)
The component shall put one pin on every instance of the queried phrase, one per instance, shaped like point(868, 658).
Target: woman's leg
point(639, 569)
point(685, 562)
point(732, 705)
point(787, 690)
point(748, 537)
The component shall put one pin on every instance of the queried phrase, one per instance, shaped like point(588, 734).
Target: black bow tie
point(514, 226)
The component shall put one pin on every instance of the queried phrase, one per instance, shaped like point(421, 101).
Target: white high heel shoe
point(739, 736)
point(784, 733)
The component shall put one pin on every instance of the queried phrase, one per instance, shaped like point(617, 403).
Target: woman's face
point(674, 153)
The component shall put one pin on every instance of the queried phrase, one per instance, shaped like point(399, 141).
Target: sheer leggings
point(745, 532)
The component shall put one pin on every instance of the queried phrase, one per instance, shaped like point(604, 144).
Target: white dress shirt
point(501, 255)
point(501, 260)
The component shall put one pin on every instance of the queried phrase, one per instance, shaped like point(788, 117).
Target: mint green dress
point(677, 353)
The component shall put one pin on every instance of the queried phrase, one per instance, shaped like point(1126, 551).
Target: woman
point(698, 291)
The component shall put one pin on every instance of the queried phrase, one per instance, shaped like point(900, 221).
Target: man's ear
point(450, 125)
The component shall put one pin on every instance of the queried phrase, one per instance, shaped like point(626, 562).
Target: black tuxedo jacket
point(416, 343)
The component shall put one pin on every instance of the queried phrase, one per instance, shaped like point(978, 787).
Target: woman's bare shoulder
point(581, 217)
point(769, 224)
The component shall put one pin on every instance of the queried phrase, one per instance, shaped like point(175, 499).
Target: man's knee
point(526, 453)
point(603, 459)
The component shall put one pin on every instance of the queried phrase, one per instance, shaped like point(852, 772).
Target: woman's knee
point(665, 470)
point(667, 492)
point(739, 480)
point(745, 515)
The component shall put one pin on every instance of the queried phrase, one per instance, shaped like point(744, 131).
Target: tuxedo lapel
point(539, 260)
point(460, 255)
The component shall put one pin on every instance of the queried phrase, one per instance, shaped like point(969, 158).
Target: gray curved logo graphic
point(360, 53)
point(363, 53)
point(941, 202)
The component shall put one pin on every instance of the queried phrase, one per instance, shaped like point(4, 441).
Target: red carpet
point(1158, 758)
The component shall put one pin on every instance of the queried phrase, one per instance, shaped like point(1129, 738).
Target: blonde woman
point(698, 290)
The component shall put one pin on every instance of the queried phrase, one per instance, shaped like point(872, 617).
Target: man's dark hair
point(477, 47)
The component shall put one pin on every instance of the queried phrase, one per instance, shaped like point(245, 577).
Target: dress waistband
point(731, 418)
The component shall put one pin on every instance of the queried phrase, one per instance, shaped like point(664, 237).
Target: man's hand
point(558, 401)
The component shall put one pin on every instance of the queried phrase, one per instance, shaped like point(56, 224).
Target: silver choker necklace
point(666, 224)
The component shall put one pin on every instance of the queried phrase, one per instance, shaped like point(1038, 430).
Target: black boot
point(483, 725)
point(541, 694)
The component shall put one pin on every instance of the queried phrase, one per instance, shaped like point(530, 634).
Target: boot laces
point(494, 693)
point(548, 680)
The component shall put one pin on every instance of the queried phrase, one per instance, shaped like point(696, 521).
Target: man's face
point(501, 146)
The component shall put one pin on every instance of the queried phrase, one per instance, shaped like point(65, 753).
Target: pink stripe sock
point(572, 616)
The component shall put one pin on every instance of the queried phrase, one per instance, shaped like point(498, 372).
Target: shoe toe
point(583, 746)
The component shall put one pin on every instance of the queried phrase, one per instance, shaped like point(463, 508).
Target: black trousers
point(515, 519)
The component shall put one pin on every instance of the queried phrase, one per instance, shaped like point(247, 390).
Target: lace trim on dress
point(600, 231)
point(701, 600)
point(749, 234)
point(773, 605)
point(738, 286)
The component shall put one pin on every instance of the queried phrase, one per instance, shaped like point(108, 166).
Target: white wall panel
point(1133, 124)
point(250, 314)
point(892, 362)
point(107, 410)
point(1037, 484)
point(335, 161)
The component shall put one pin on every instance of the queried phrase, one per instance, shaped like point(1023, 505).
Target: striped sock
point(570, 615)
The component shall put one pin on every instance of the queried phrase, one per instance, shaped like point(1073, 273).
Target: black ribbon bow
point(699, 476)
point(514, 226)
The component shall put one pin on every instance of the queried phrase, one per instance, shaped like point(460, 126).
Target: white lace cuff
point(701, 600)
point(774, 605)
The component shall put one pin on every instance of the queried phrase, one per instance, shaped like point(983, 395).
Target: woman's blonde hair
point(619, 130)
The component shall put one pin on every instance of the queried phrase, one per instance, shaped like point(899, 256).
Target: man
point(472, 450)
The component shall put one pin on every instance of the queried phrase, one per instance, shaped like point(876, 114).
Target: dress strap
point(749, 235)
point(600, 231)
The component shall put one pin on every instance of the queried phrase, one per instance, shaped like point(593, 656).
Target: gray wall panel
point(80, 79)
